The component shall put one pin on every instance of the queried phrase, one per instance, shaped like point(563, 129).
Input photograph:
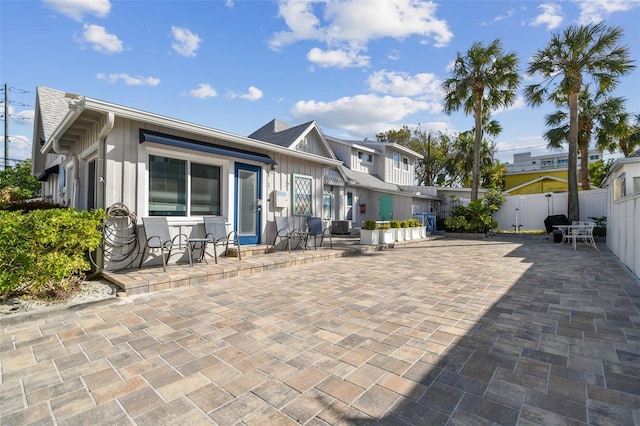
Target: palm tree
point(589, 49)
point(482, 80)
point(627, 133)
point(597, 113)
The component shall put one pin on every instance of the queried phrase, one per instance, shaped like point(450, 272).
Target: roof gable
point(53, 107)
point(306, 137)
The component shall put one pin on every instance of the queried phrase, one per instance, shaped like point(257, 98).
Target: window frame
point(396, 161)
point(405, 164)
point(296, 208)
point(222, 165)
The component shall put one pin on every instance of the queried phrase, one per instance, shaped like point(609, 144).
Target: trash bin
point(557, 236)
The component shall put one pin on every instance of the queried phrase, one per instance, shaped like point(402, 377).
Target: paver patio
point(453, 332)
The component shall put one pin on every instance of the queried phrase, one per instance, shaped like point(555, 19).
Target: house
point(623, 210)
point(94, 154)
point(540, 174)
point(371, 182)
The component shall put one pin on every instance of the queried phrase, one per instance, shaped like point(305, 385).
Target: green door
point(386, 207)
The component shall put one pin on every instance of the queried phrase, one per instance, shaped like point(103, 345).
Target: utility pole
point(6, 126)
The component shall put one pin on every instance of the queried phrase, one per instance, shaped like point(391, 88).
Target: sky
point(357, 67)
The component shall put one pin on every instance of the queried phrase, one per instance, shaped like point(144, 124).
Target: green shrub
point(385, 225)
point(456, 223)
point(369, 225)
point(413, 223)
point(395, 224)
point(43, 251)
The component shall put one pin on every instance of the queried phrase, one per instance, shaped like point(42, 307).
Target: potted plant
point(398, 232)
point(414, 225)
point(369, 234)
point(386, 234)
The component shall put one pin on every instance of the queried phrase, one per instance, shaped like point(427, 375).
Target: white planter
point(370, 237)
point(415, 233)
point(399, 234)
point(386, 236)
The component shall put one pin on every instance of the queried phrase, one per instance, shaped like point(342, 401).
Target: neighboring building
point(94, 154)
point(541, 174)
point(623, 210)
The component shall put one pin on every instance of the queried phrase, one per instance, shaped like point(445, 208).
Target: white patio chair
point(582, 231)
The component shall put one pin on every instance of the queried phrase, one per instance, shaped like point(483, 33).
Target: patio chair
point(215, 229)
point(315, 230)
point(156, 231)
point(582, 231)
point(285, 232)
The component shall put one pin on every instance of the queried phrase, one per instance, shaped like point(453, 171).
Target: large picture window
point(169, 193)
point(302, 195)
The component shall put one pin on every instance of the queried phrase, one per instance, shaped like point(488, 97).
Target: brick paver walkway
point(444, 332)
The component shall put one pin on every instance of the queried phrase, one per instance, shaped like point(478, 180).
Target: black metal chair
point(315, 230)
point(156, 231)
point(215, 229)
point(285, 232)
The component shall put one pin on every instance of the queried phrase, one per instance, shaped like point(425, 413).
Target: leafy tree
point(17, 183)
point(627, 136)
point(598, 170)
point(578, 51)
point(598, 114)
point(483, 79)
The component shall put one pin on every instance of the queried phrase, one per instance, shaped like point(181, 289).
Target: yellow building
point(541, 174)
point(537, 182)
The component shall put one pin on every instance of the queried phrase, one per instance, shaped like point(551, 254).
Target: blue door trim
point(249, 239)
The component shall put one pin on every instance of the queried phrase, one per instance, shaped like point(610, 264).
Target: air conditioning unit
point(340, 227)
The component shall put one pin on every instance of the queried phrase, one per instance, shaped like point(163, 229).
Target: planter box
point(370, 237)
point(415, 233)
point(399, 234)
point(386, 236)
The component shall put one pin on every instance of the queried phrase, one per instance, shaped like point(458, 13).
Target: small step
point(249, 250)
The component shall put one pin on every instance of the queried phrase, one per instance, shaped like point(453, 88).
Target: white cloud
point(76, 9)
point(519, 103)
point(397, 83)
point(594, 11)
point(551, 16)
point(348, 26)
point(128, 80)
point(394, 55)
point(337, 58)
point(23, 118)
point(499, 18)
point(361, 114)
point(253, 94)
point(185, 42)
point(100, 40)
point(203, 91)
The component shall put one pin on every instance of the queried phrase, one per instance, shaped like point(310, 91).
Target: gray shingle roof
point(367, 180)
point(53, 108)
point(280, 133)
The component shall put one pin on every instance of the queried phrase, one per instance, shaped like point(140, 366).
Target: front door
point(248, 203)
point(386, 207)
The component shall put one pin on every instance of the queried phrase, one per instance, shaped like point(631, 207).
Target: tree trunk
point(475, 176)
point(573, 204)
point(584, 164)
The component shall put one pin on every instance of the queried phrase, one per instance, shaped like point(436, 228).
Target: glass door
point(248, 203)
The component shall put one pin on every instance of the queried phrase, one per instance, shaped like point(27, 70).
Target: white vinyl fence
point(623, 231)
point(528, 212)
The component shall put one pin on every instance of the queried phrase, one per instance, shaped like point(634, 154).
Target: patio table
point(200, 245)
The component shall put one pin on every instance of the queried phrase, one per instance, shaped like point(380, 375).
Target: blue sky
point(356, 67)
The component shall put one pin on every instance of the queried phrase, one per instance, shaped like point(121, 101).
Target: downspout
point(101, 167)
point(101, 171)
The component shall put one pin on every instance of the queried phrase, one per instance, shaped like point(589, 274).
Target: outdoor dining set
point(577, 231)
